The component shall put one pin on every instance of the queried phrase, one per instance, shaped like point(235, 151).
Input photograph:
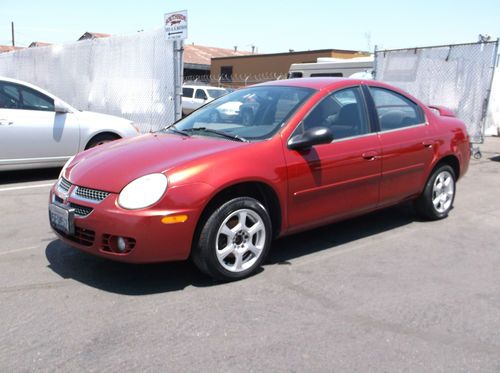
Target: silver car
point(39, 130)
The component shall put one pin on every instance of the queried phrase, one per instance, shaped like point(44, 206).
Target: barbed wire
point(234, 80)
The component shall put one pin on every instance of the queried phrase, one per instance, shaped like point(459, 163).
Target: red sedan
point(306, 153)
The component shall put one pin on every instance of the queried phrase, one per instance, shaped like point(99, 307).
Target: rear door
point(30, 129)
point(406, 142)
point(339, 179)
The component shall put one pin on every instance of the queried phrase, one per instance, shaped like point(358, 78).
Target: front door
point(340, 179)
point(30, 129)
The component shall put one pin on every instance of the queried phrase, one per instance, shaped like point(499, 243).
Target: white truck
point(359, 67)
point(194, 96)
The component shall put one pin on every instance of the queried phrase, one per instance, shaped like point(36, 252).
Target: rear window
point(337, 75)
point(216, 93)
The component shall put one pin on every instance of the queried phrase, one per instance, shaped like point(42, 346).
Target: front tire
point(101, 139)
point(436, 200)
point(234, 240)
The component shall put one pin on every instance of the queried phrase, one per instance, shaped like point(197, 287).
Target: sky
point(270, 26)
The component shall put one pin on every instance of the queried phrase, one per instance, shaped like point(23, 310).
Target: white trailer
point(336, 67)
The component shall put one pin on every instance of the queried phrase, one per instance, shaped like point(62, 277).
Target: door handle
point(370, 156)
point(5, 122)
point(428, 143)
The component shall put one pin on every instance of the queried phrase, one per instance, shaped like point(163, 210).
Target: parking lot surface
point(383, 292)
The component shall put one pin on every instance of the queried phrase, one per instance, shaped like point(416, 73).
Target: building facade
point(239, 71)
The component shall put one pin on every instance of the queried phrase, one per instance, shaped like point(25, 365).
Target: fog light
point(121, 244)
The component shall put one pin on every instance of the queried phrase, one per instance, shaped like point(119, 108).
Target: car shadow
point(333, 236)
point(143, 279)
point(122, 278)
point(22, 176)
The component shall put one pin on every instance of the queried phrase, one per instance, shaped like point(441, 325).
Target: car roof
point(26, 84)
point(11, 80)
point(202, 86)
point(317, 83)
point(328, 83)
point(35, 87)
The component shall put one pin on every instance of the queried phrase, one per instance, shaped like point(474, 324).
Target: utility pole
point(12, 29)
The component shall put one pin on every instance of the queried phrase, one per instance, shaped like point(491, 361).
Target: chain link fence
point(456, 76)
point(131, 76)
point(493, 114)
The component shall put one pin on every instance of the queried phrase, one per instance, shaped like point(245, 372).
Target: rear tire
point(436, 200)
point(234, 240)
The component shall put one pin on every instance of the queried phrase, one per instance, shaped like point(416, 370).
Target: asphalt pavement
point(384, 292)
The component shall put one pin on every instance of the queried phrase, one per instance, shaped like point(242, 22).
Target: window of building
point(226, 73)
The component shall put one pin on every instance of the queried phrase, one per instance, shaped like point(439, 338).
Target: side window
point(200, 93)
point(9, 96)
point(187, 92)
point(343, 112)
point(394, 110)
point(14, 96)
point(338, 75)
point(33, 100)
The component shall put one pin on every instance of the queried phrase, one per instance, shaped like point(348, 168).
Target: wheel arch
point(95, 136)
point(258, 190)
point(450, 160)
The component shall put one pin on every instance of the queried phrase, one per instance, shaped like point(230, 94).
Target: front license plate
point(61, 218)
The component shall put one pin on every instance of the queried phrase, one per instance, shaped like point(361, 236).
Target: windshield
point(216, 93)
point(253, 113)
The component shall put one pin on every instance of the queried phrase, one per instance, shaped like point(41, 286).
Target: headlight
point(143, 192)
point(65, 166)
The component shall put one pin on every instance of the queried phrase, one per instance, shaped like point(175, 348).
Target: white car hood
point(97, 122)
point(90, 116)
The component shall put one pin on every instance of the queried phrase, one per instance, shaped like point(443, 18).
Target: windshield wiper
point(176, 130)
point(220, 133)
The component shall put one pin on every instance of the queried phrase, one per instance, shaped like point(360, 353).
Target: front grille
point(81, 210)
point(63, 185)
point(91, 194)
point(82, 236)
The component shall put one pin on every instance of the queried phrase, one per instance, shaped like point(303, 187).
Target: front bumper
point(98, 225)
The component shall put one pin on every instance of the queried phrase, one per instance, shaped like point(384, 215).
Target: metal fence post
point(178, 46)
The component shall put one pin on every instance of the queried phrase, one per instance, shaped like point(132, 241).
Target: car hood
point(102, 119)
point(110, 167)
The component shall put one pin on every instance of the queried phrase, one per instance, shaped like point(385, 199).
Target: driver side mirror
point(60, 107)
point(311, 137)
